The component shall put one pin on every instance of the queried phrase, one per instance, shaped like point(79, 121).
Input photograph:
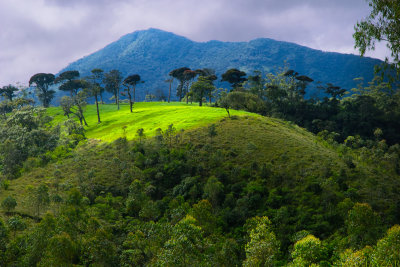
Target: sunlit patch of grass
point(147, 115)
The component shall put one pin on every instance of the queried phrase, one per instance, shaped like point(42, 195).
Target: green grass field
point(147, 115)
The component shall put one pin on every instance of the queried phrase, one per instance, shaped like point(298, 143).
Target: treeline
point(362, 114)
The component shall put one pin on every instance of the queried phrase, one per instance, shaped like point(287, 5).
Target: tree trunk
point(101, 98)
point(134, 94)
point(201, 102)
point(83, 117)
point(209, 96)
point(187, 93)
point(118, 98)
point(130, 100)
point(97, 107)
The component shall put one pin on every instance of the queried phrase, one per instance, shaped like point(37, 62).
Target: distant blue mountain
point(154, 53)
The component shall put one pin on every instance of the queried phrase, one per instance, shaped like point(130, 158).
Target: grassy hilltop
point(147, 115)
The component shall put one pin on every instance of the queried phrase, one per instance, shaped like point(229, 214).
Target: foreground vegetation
point(245, 190)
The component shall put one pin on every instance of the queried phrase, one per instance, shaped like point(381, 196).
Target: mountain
point(154, 53)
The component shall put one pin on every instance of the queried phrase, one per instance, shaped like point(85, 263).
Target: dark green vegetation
point(381, 25)
point(154, 53)
point(243, 190)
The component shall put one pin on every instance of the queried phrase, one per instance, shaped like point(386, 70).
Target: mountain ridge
point(152, 53)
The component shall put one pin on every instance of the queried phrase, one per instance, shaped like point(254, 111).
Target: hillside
point(200, 195)
point(147, 115)
point(154, 53)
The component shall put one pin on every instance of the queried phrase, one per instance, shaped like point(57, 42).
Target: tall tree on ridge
point(178, 74)
point(98, 75)
point(131, 80)
point(112, 81)
point(200, 88)
point(188, 76)
point(210, 75)
point(170, 85)
point(8, 91)
point(42, 82)
point(94, 89)
point(235, 77)
point(66, 78)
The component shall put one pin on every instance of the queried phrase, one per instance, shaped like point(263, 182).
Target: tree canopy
point(382, 24)
point(235, 77)
point(43, 81)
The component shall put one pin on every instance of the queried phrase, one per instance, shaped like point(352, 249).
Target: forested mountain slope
point(154, 53)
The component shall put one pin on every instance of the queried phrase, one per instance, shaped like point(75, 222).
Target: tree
point(75, 105)
point(112, 81)
point(67, 78)
point(9, 203)
point(68, 75)
point(131, 80)
point(214, 191)
point(185, 246)
point(307, 251)
point(95, 89)
point(178, 74)
point(16, 223)
point(72, 86)
point(263, 245)
point(363, 225)
point(8, 92)
point(140, 133)
point(98, 78)
point(210, 75)
point(382, 24)
point(235, 77)
point(170, 85)
point(212, 132)
point(40, 198)
point(355, 258)
point(169, 134)
point(224, 102)
point(43, 81)
point(387, 249)
point(188, 76)
point(256, 84)
point(200, 88)
point(61, 251)
point(3, 242)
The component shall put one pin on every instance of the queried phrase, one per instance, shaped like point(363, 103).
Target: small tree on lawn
point(9, 204)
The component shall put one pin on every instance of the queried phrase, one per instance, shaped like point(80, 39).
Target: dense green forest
point(153, 53)
point(244, 190)
point(288, 180)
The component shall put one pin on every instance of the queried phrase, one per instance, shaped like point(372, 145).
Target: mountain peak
point(153, 53)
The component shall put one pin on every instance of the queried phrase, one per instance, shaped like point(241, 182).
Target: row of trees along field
point(356, 112)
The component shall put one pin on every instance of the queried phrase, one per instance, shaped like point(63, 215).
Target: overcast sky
point(45, 35)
